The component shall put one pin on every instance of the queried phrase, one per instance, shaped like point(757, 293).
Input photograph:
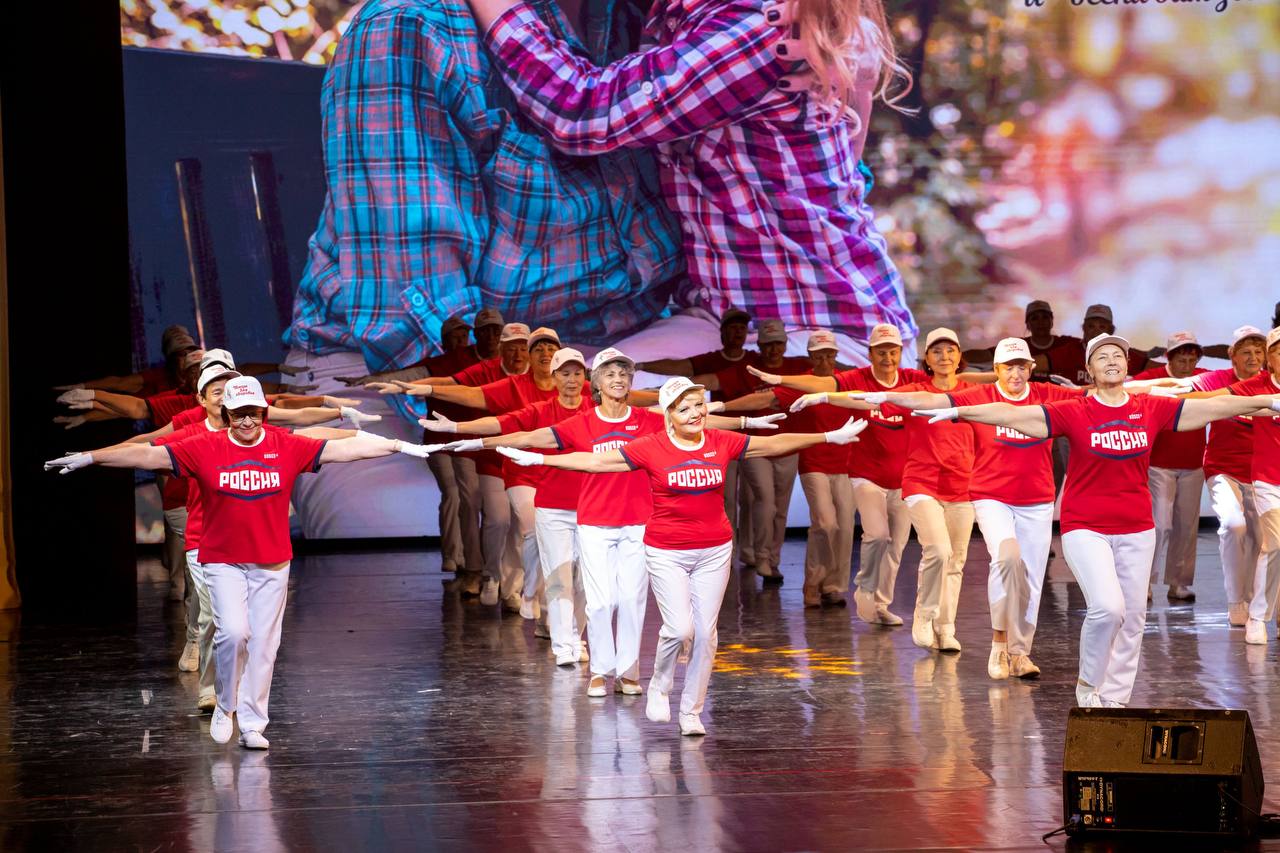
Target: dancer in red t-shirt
point(1107, 531)
point(245, 475)
point(688, 541)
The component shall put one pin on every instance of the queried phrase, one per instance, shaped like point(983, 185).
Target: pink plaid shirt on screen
point(771, 198)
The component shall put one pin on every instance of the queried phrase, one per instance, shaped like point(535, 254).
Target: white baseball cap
point(212, 372)
point(542, 333)
point(771, 332)
point(1181, 339)
point(219, 357)
point(1012, 349)
point(1244, 333)
point(941, 334)
point(822, 339)
point(1103, 340)
point(567, 355)
point(514, 332)
point(675, 388)
point(609, 354)
point(1273, 337)
point(243, 391)
point(884, 333)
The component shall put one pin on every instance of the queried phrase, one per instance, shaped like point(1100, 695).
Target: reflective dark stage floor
point(406, 719)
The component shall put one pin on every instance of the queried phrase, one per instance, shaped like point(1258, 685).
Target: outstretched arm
point(1197, 413)
point(146, 457)
point(1028, 420)
point(668, 366)
point(805, 382)
point(781, 445)
point(590, 463)
point(751, 402)
point(464, 395)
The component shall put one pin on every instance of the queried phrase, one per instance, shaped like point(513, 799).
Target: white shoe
point(884, 617)
point(1021, 666)
point(658, 708)
point(567, 660)
point(922, 631)
point(1111, 703)
point(583, 655)
point(529, 608)
point(691, 724)
point(489, 592)
point(1255, 632)
point(1237, 614)
point(253, 740)
point(865, 603)
point(1087, 696)
point(946, 640)
point(190, 660)
point(220, 726)
point(595, 687)
point(998, 664)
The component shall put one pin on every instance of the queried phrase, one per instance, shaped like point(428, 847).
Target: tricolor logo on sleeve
point(1119, 440)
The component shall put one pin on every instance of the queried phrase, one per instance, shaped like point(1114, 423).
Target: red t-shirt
point(187, 417)
point(716, 361)
point(1179, 451)
point(821, 458)
point(939, 456)
point(507, 395)
point(1266, 431)
point(687, 486)
point(488, 462)
point(245, 491)
point(881, 450)
point(736, 381)
point(1008, 466)
point(1057, 341)
point(454, 364)
point(610, 500)
point(1068, 360)
point(1106, 487)
point(164, 408)
point(557, 489)
point(195, 509)
point(1229, 449)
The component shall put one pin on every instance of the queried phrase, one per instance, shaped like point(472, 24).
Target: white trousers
point(557, 534)
point(498, 542)
point(614, 579)
point(689, 588)
point(771, 479)
point(1018, 540)
point(944, 530)
point(1112, 572)
point(1267, 580)
point(1175, 504)
point(1238, 541)
point(204, 624)
point(885, 528)
point(459, 509)
point(524, 523)
point(828, 553)
point(248, 612)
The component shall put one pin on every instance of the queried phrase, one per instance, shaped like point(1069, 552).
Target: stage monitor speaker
point(1161, 770)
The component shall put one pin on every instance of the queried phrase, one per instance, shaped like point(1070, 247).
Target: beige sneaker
point(190, 659)
point(947, 642)
point(998, 664)
point(627, 687)
point(922, 631)
point(1255, 632)
point(1021, 666)
point(1238, 614)
point(865, 603)
point(885, 617)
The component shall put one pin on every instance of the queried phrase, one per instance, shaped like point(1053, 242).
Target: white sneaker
point(253, 740)
point(489, 592)
point(691, 724)
point(1237, 614)
point(865, 603)
point(567, 660)
point(1255, 632)
point(658, 708)
point(998, 664)
point(1021, 666)
point(1111, 703)
point(1088, 700)
point(946, 640)
point(595, 687)
point(884, 617)
point(529, 608)
point(190, 659)
point(220, 726)
point(922, 631)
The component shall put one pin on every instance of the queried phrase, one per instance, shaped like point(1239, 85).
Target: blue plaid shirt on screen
point(441, 198)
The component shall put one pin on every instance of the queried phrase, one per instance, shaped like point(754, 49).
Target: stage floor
point(405, 719)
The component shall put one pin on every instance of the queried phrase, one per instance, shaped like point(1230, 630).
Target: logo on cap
point(884, 333)
point(609, 354)
point(1012, 349)
point(822, 339)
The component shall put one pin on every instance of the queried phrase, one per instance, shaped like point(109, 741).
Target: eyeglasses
point(254, 415)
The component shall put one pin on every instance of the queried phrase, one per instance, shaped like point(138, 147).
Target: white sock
point(997, 646)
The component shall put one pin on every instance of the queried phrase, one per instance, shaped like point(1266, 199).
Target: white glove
point(465, 445)
point(81, 406)
point(362, 434)
point(69, 422)
point(71, 387)
point(809, 400)
point(875, 398)
point(358, 417)
point(521, 457)
point(763, 422)
point(411, 449)
point(1275, 405)
point(70, 462)
point(936, 415)
point(1062, 380)
point(438, 423)
point(771, 378)
point(715, 407)
point(77, 395)
point(847, 433)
